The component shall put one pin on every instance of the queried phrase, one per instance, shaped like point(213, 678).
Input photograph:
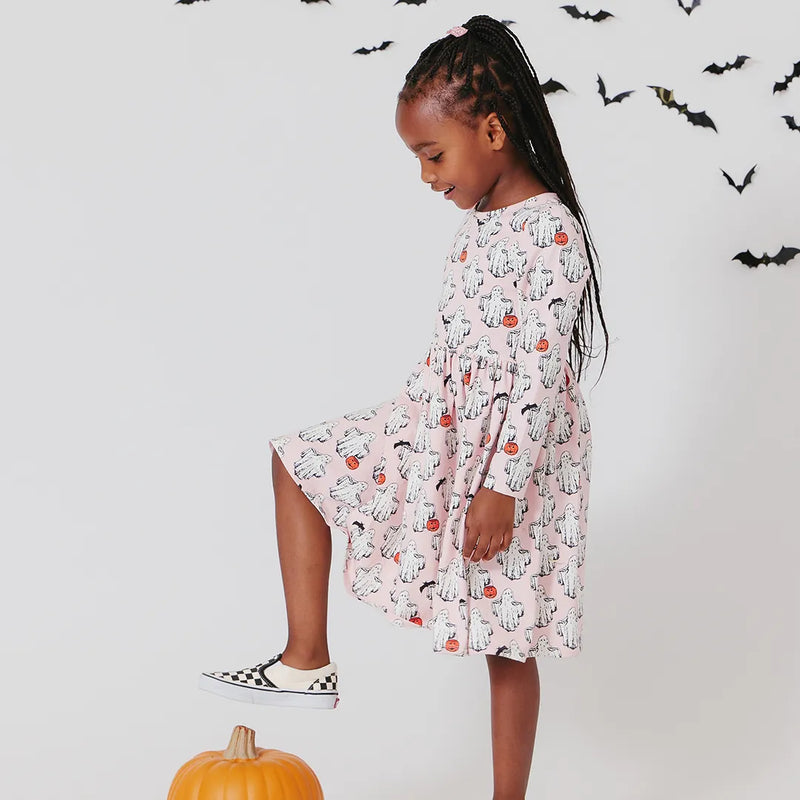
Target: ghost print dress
point(492, 403)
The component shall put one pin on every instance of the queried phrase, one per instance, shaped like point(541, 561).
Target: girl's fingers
point(497, 544)
point(482, 546)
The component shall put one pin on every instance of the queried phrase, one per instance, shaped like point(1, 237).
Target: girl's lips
point(449, 191)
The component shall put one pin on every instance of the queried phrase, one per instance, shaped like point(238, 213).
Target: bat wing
point(749, 176)
point(781, 86)
point(550, 86)
point(618, 98)
point(689, 9)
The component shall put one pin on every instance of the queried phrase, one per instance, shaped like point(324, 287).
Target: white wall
point(190, 198)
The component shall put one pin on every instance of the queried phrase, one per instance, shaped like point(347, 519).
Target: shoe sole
point(267, 695)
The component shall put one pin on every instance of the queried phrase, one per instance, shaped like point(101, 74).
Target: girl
point(464, 497)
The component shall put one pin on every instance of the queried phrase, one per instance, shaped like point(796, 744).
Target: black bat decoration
point(426, 585)
point(412, 2)
point(551, 86)
point(184, 2)
point(793, 126)
point(617, 98)
point(783, 256)
point(316, 1)
point(692, 7)
point(699, 118)
point(745, 182)
point(508, 22)
point(715, 69)
point(782, 86)
point(367, 50)
point(598, 17)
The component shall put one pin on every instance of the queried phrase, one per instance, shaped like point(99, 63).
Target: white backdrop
point(188, 196)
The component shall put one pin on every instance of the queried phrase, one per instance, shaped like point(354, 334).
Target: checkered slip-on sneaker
point(314, 688)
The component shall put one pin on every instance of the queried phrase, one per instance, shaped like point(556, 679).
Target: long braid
point(489, 67)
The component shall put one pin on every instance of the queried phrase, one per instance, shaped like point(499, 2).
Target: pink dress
point(494, 403)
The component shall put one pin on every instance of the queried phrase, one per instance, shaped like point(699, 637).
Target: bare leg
point(515, 712)
point(304, 549)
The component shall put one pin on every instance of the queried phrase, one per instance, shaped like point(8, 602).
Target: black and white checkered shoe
point(313, 688)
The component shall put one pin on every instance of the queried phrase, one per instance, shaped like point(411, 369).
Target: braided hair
point(486, 70)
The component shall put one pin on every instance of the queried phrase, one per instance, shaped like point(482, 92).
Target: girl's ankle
point(301, 660)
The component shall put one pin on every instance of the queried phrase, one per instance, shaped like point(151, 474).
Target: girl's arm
point(550, 291)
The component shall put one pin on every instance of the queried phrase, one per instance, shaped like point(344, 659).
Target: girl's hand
point(489, 524)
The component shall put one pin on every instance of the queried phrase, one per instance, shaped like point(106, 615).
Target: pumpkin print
point(462, 419)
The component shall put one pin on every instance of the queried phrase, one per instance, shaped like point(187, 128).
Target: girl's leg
point(304, 549)
point(515, 712)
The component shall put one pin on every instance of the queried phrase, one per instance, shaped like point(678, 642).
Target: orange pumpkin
point(561, 238)
point(381, 479)
point(467, 376)
point(445, 420)
point(490, 591)
point(433, 524)
point(428, 360)
point(523, 224)
point(510, 320)
point(415, 620)
point(463, 257)
point(352, 462)
point(244, 770)
point(487, 438)
point(451, 645)
point(397, 558)
point(542, 345)
point(511, 448)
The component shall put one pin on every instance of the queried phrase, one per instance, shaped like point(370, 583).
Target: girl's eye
point(435, 158)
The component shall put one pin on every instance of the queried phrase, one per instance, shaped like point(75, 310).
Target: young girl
point(464, 497)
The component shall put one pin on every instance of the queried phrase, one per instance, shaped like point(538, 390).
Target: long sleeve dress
point(492, 403)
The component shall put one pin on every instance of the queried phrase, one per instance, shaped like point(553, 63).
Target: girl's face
point(461, 162)
point(480, 163)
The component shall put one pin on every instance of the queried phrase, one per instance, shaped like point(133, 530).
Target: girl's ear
point(495, 131)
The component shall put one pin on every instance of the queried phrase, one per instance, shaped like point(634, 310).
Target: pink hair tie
point(458, 30)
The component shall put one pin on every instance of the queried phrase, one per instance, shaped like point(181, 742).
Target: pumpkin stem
point(242, 743)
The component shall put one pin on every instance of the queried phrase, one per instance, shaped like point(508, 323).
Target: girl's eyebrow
point(420, 145)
